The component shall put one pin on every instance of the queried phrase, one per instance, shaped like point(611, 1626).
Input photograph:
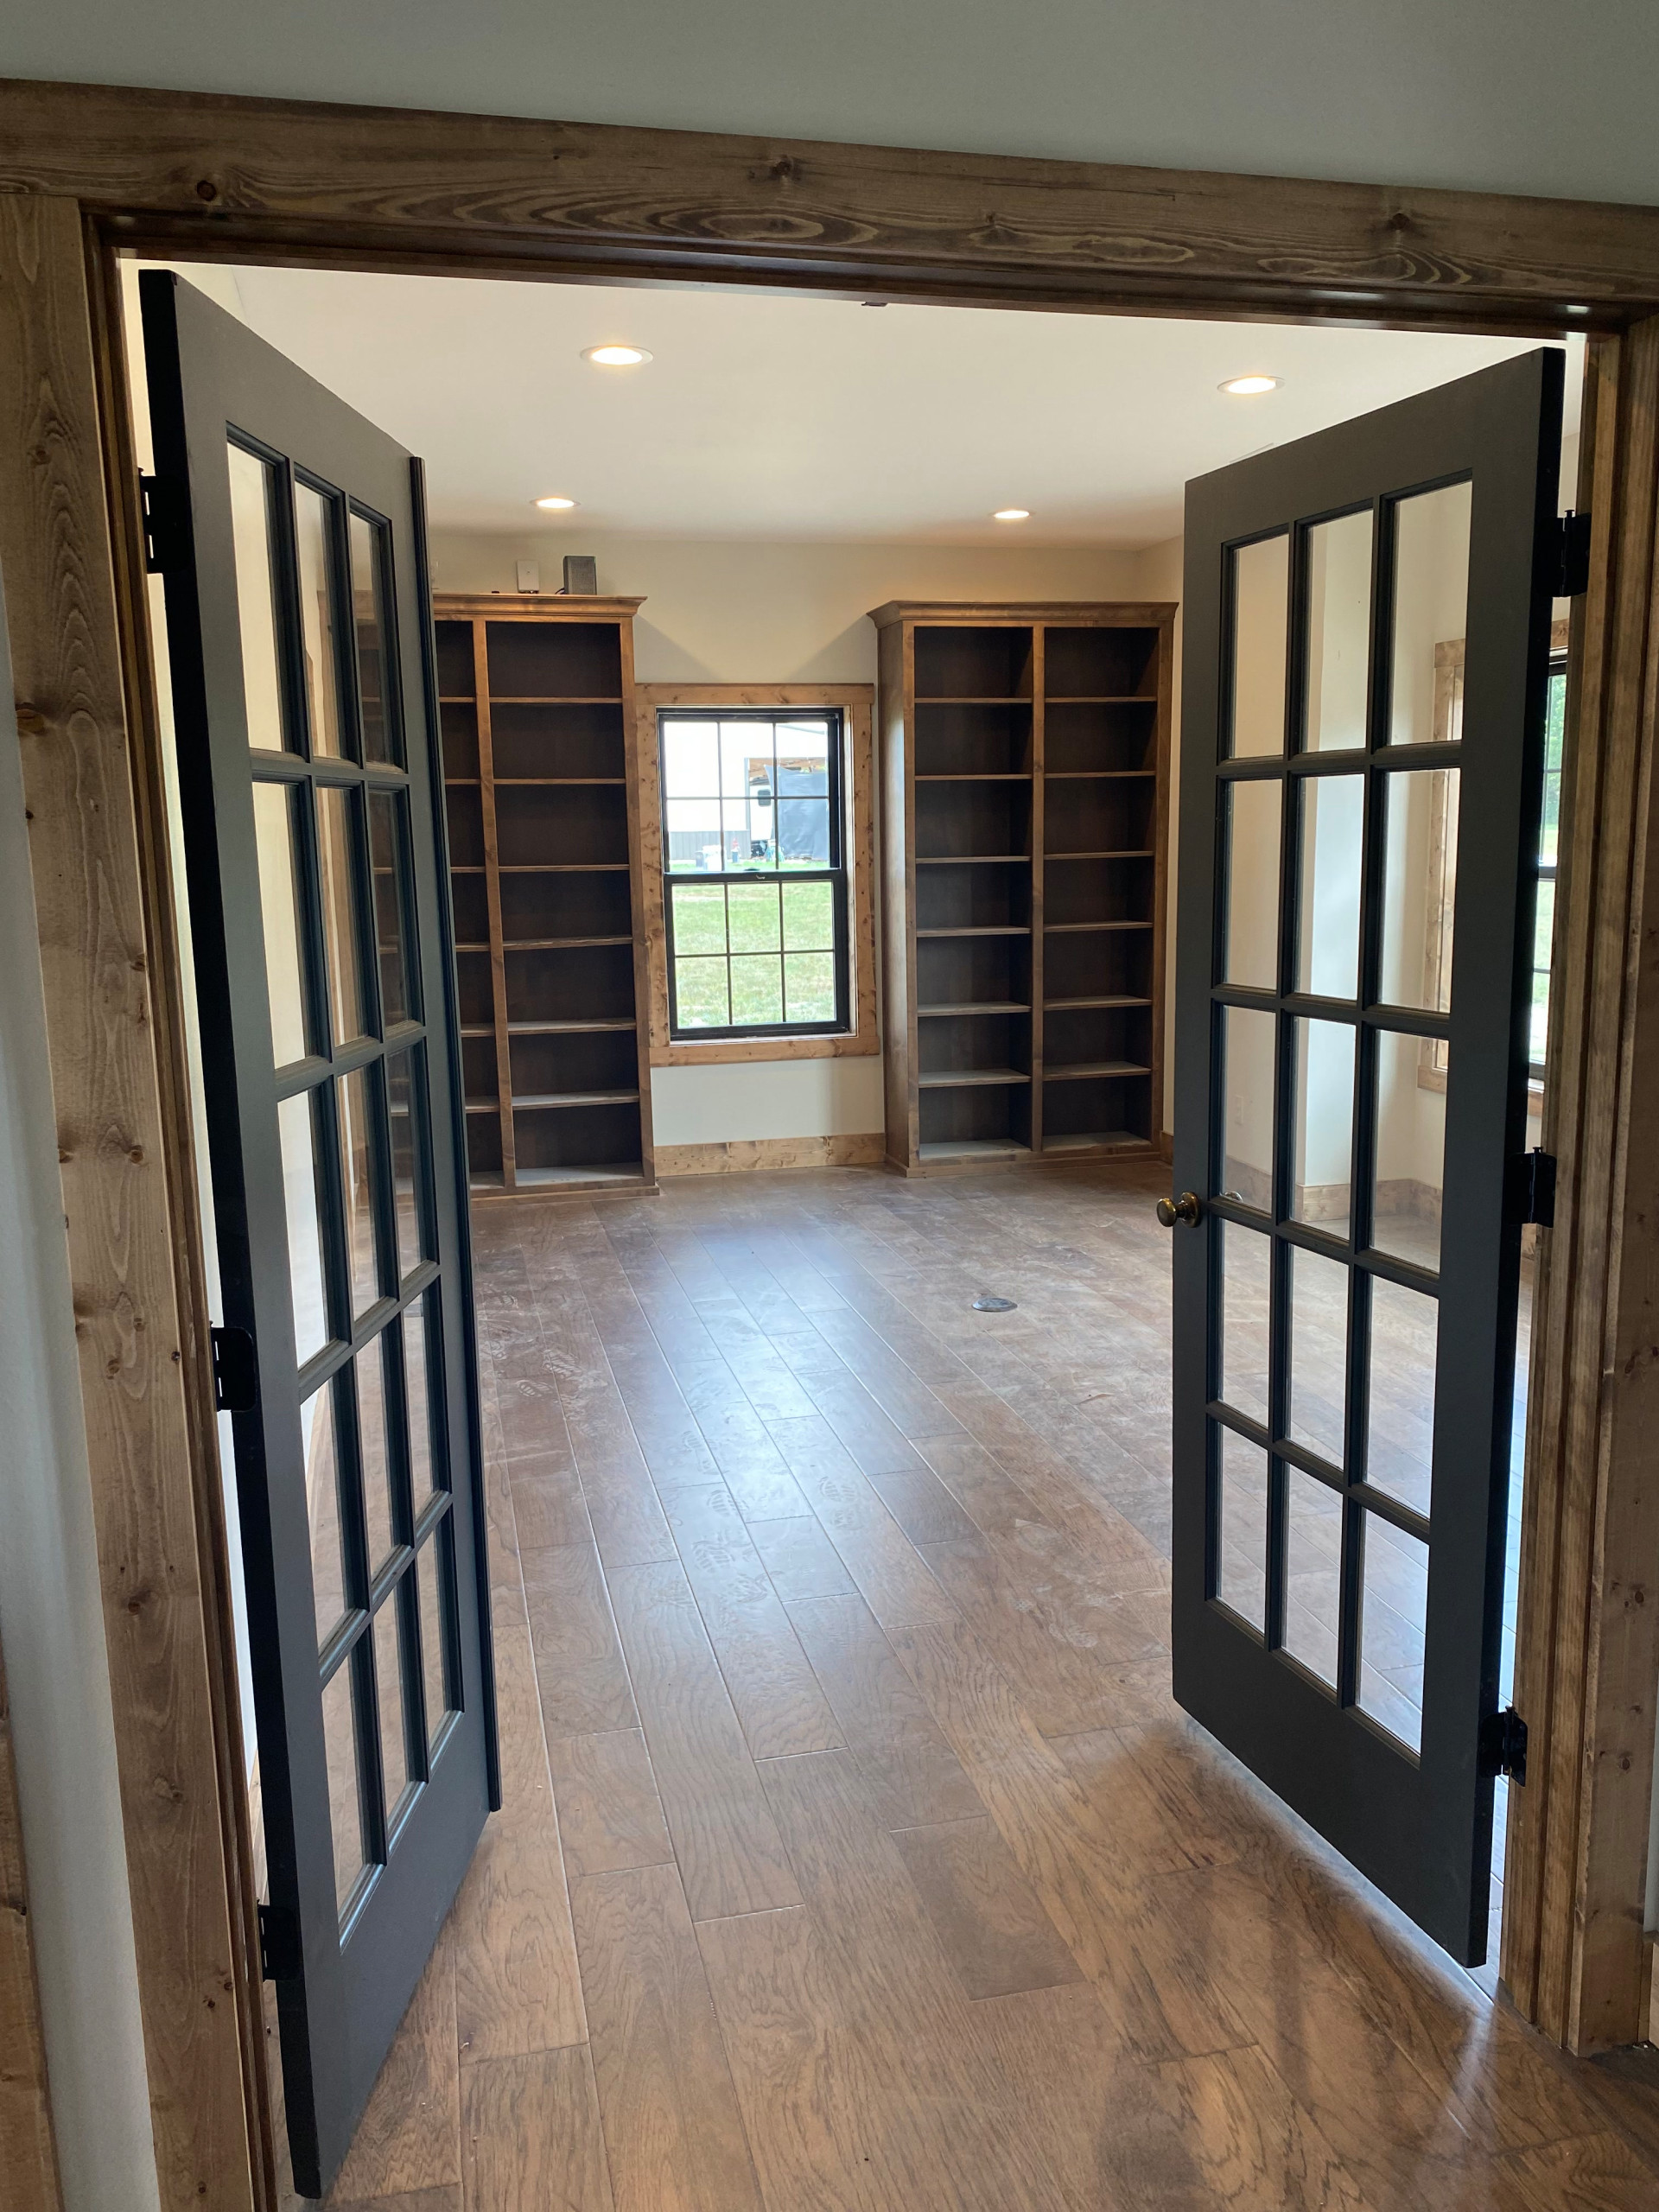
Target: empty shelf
point(537, 1100)
point(555, 867)
point(973, 859)
point(987, 928)
point(522, 783)
point(973, 1148)
point(568, 943)
point(1108, 853)
point(964, 1078)
point(973, 699)
point(1082, 775)
point(1062, 929)
point(617, 1172)
point(565, 1028)
point(1098, 699)
point(487, 1179)
point(478, 1029)
point(980, 776)
point(1076, 1070)
point(483, 1105)
point(555, 699)
point(969, 1006)
point(1097, 1140)
point(456, 699)
point(1068, 1006)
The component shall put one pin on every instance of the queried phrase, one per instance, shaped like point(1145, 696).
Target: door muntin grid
point(372, 1282)
point(1316, 999)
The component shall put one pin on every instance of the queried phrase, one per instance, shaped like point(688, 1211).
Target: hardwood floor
point(855, 1859)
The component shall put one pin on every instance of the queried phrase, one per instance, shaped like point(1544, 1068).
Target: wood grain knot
point(31, 720)
point(783, 170)
point(207, 189)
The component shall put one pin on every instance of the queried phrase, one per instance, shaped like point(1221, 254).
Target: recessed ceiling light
point(1012, 514)
point(615, 357)
point(555, 503)
point(1241, 387)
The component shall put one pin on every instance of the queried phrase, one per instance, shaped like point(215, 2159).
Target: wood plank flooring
point(855, 1858)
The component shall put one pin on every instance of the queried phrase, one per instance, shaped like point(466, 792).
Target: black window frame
point(837, 873)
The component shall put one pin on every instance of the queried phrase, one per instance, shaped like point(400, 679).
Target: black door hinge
point(1504, 1745)
point(279, 1944)
point(1531, 1191)
point(161, 501)
point(236, 1371)
point(1572, 555)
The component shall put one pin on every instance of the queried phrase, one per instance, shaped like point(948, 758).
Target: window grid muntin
point(835, 874)
point(1291, 769)
point(376, 1332)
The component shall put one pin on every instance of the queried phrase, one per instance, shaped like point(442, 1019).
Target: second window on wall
point(754, 876)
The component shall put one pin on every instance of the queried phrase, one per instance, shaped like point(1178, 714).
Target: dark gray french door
point(1367, 641)
point(290, 535)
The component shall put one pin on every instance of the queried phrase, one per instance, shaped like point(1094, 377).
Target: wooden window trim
point(857, 704)
point(219, 178)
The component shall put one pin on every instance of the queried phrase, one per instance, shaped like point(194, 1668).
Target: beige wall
point(733, 611)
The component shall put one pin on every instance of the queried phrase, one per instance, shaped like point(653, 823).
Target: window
point(754, 874)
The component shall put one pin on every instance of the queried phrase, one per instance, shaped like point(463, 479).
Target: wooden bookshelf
point(541, 797)
point(1024, 762)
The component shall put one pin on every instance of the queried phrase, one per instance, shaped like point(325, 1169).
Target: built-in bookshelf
point(1025, 823)
point(541, 790)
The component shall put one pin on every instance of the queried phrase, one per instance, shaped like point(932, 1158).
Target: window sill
point(687, 1052)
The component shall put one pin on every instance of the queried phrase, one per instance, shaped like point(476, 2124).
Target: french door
point(1367, 640)
point(288, 533)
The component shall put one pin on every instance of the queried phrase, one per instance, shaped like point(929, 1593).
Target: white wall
point(736, 613)
point(51, 1615)
point(1519, 97)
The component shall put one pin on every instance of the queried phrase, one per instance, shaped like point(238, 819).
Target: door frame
point(93, 173)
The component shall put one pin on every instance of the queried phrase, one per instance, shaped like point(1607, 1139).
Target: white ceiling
point(769, 415)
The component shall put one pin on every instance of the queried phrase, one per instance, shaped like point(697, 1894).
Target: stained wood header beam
point(204, 173)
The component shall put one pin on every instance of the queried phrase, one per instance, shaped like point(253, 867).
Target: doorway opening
point(715, 1470)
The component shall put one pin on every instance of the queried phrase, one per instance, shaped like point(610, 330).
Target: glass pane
point(802, 757)
point(251, 487)
point(1319, 1353)
point(1325, 1125)
point(338, 911)
point(313, 541)
point(408, 1161)
point(386, 846)
point(752, 917)
point(372, 1435)
point(1313, 1573)
point(692, 836)
point(304, 1200)
point(803, 832)
point(757, 989)
point(354, 1105)
point(388, 1696)
point(1261, 619)
point(369, 597)
point(1554, 740)
point(808, 917)
point(1420, 886)
point(328, 1574)
point(1411, 1075)
point(433, 1568)
point(1431, 616)
point(1543, 939)
point(701, 999)
point(1241, 1574)
point(1333, 826)
point(1247, 1046)
point(1400, 1414)
point(746, 764)
point(345, 1797)
point(1393, 1617)
point(699, 916)
point(1245, 1261)
point(279, 908)
point(690, 759)
point(1251, 939)
point(809, 987)
point(424, 1471)
point(1338, 632)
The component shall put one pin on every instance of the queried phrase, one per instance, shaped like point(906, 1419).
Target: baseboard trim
point(746, 1155)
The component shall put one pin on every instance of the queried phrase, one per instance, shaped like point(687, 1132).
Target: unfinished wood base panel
point(743, 1154)
point(896, 1881)
point(98, 885)
point(1574, 1953)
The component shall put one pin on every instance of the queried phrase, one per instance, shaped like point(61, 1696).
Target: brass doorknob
point(1185, 1208)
